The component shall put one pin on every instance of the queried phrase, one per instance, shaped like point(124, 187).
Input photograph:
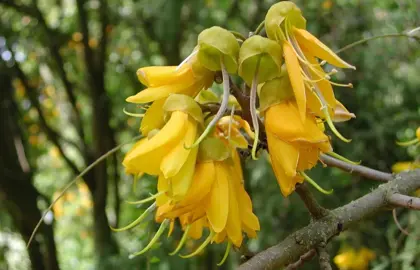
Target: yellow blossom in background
point(351, 259)
point(405, 166)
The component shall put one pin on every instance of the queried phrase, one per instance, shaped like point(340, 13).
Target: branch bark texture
point(342, 218)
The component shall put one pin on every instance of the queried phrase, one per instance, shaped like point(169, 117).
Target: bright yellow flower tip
point(405, 166)
point(351, 259)
point(418, 133)
point(228, 129)
point(156, 76)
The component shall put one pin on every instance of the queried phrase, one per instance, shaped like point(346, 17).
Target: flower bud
point(184, 103)
point(216, 45)
point(278, 14)
point(260, 53)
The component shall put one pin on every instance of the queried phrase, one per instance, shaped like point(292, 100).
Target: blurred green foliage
point(385, 100)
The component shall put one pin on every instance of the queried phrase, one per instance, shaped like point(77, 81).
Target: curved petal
point(296, 78)
point(217, 210)
point(154, 93)
point(233, 224)
point(153, 118)
point(181, 182)
point(315, 47)
point(175, 159)
point(283, 120)
point(155, 76)
point(283, 154)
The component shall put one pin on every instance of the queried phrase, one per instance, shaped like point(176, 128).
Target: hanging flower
point(189, 78)
point(293, 146)
point(163, 152)
point(285, 24)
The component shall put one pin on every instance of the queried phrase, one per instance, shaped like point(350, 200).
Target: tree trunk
point(17, 193)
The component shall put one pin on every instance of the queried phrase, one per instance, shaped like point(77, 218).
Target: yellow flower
point(293, 146)
point(217, 200)
point(285, 24)
point(405, 166)
point(229, 129)
point(188, 79)
point(350, 259)
point(163, 152)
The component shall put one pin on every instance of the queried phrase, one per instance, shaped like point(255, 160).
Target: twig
point(394, 215)
point(302, 259)
point(324, 258)
point(361, 170)
point(316, 210)
point(404, 201)
point(305, 239)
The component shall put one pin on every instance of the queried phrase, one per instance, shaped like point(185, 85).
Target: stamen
point(228, 247)
point(186, 60)
point(137, 221)
point(200, 248)
point(220, 112)
point(349, 85)
point(140, 115)
point(182, 242)
point(337, 156)
point(252, 106)
point(154, 239)
point(151, 198)
point(332, 127)
point(408, 143)
point(171, 228)
point(313, 183)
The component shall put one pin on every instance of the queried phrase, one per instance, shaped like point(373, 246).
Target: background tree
point(72, 64)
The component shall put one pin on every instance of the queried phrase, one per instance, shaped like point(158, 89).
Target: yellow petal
point(196, 230)
point(155, 76)
point(315, 47)
point(296, 78)
point(217, 210)
point(173, 161)
point(163, 186)
point(288, 129)
point(341, 114)
point(154, 93)
point(220, 237)
point(285, 154)
point(308, 158)
point(204, 177)
point(181, 182)
point(153, 118)
point(148, 156)
point(233, 224)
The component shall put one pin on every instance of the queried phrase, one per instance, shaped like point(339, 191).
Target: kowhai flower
point(285, 24)
point(294, 146)
point(189, 78)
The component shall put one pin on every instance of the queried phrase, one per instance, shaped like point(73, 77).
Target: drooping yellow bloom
point(351, 259)
point(163, 153)
point(188, 79)
point(216, 200)
point(285, 24)
point(293, 146)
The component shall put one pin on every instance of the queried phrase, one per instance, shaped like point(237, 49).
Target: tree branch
point(404, 201)
point(361, 170)
point(302, 259)
point(305, 239)
point(324, 258)
point(316, 210)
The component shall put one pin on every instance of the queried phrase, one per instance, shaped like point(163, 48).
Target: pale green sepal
point(184, 103)
point(274, 92)
point(277, 14)
point(213, 149)
point(215, 45)
point(264, 50)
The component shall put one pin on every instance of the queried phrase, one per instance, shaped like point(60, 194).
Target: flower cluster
point(351, 259)
point(193, 139)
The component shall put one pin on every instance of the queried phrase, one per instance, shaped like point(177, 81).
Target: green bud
point(206, 96)
point(216, 44)
point(274, 92)
point(262, 53)
point(277, 16)
point(184, 103)
point(213, 149)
